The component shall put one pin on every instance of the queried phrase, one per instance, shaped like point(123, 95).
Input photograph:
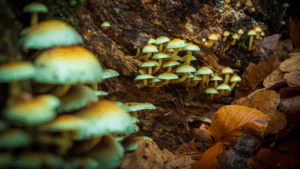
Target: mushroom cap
point(162, 39)
point(171, 63)
point(197, 78)
point(227, 70)
point(224, 87)
point(132, 143)
point(240, 31)
point(204, 70)
point(106, 116)
point(108, 73)
point(14, 138)
point(211, 90)
point(143, 76)
point(226, 33)
point(105, 24)
point(38, 110)
point(235, 36)
point(68, 65)
point(149, 48)
point(191, 47)
point(167, 76)
point(51, 33)
point(77, 97)
point(216, 78)
point(151, 41)
point(35, 7)
point(149, 63)
point(185, 57)
point(235, 78)
point(16, 71)
point(134, 106)
point(213, 37)
point(251, 32)
point(160, 56)
point(286, 5)
point(257, 29)
point(176, 43)
point(185, 69)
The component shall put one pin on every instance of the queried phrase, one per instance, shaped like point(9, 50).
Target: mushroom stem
point(251, 42)
point(146, 57)
point(211, 43)
point(225, 38)
point(94, 86)
point(174, 53)
point(165, 47)
point(163, 83)
point(182, 79)
point(34, 19)
point(158, 66)
point(227, 75)
point(150, 70)
point(194, 83)
point(188, 58)
point(233, 85)
point(138, 51)
point(233, 42)
point(134, 113)
point(61, 90)
point(14, 88)
point(160, 47)
point(211, 97)
point(216, 84)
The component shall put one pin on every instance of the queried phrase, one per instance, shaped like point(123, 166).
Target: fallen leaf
point(240, 118)
point(268, 45)
point(290, 104)
point(291, 64)
point(275, 80)
point(286, 91)
point(293, 78)
point(253, 77)
point(267, 101)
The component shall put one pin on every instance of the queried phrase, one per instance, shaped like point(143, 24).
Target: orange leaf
point(209, 158)
point(237, 118)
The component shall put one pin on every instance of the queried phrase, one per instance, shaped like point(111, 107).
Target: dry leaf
point(293, 78)
point(231, 159)
point(234, 117)
point(267, 101)
point(275, 80)
point(268, 45)
point(291, 64)
point(289, 90)
point(294, 54)
point(209, 158)
point(253, 77)
point(290, 105)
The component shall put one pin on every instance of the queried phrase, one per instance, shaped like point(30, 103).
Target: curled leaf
point(293, 78)
point(275, 80)
point(291, 64)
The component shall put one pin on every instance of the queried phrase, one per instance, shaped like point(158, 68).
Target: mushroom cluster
point(162, 65)
point(62, 123)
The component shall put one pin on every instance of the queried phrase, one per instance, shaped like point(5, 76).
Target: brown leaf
point(267, 101)
point(209, 158)
point(239, 118)
point(290, 105)
point(293, 78)
point(253, 77)
point(288, 91)
point(275, 80)
point(268, 45)
point(291, 64)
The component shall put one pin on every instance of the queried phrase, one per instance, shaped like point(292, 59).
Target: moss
point(67, 11)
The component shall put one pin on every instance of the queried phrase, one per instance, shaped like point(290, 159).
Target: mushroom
point(234, 37)
point(159, 56)
point(234, 79)
point(212, 38)
point(186, 70)
point(68, 65)
point(51, 33)
point(240, 32)
point(251, 33)
point(258, 30)
point(167, 76)
point(162, 41)
point(205, 71)
point(216, 78)
point(149, 64)
point(148, 49)
point(223, 87)
point(35, 8)
point(132, 143)
point(225, 34)
point(189, 48)
point(176, 44)
point(227, 71)
point(105, 25)
point(211, 91)
point(144, 77)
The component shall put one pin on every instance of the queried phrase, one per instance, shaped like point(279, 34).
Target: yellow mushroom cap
point(258, 29)
point(213, 37)
point(227, 70)
point(149, 48)
point(68, 65)
point(251, 32)
point(240, 31)
point(176, 43)
point(105, 24)
point(16, 71)
point(51, 33)
point(106, 116)
point(235, 36)
point(226, 33)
